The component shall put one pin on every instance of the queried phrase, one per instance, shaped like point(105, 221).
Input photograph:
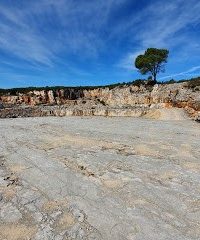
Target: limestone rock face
point(127, 100)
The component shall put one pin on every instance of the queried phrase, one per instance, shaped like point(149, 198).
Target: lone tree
point(152, 61)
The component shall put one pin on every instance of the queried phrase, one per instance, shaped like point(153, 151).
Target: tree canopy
point(152, 61)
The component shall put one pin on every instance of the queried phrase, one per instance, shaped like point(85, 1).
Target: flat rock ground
point(99, 178)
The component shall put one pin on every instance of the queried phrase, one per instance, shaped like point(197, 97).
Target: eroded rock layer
point(127, 100)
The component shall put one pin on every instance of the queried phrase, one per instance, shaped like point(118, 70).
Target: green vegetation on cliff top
point(191, 83)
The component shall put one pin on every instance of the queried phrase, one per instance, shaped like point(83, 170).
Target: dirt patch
point(167, 114)
point(17, 232)
point(168, 175)
point(126, 150)
point(113, 184)
point(185, 150)
point(145, 150)
point(131, 202)
point(55, 142)
point(52, 206)
point(65, 221)
point(51, 142)
point(17, 168)
point(193, 166)
point(9, 193)
point(153, 114)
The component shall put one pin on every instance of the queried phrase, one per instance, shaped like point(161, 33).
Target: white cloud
point(77, 28)
point(161, 24)
point(20, 39)
point(24, 32)
point(156, 24)
point(189, 71)
point(128, 61)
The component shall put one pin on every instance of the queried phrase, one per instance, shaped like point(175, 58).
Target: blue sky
point(94, 42)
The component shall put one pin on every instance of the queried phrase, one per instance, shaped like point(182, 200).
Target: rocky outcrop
point(33, 98)
point(127, 100)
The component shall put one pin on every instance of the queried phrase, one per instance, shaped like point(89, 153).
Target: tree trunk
point(154, 77)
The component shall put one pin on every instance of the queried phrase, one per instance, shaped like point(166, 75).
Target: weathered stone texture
point(120, 101)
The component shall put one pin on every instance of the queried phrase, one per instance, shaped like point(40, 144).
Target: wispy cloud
point(189, 71)
point(127, 62)
point(17, 37)
point(89, 38)
point(162, 25)
point(43, 29)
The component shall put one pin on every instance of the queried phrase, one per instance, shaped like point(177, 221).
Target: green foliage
point(152, 61)
point(194, 83)
point(17, 91)
point(171, 81)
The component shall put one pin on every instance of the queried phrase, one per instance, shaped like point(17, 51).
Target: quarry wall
point(126, 100)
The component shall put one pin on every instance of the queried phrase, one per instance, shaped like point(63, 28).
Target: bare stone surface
point(99, 178)
point(9, 213)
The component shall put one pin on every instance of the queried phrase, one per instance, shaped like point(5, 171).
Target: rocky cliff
point(126, 100)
